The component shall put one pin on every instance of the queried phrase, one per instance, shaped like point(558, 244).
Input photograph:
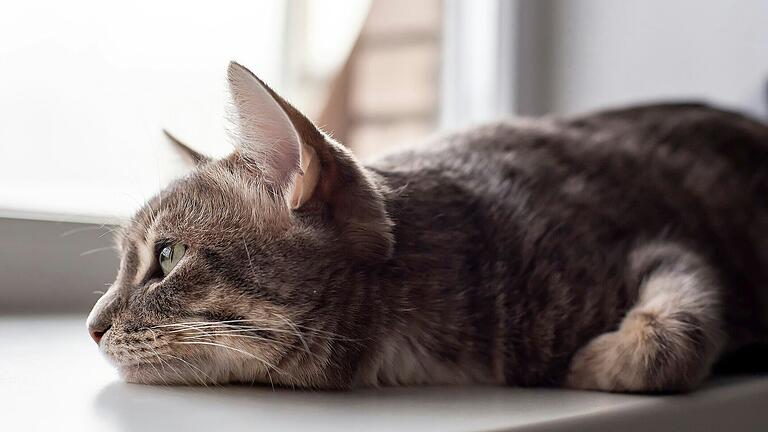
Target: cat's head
point(236, 272)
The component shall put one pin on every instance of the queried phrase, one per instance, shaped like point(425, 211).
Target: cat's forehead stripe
point(145, 250)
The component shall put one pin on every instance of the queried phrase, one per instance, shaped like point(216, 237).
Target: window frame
point(489, 85)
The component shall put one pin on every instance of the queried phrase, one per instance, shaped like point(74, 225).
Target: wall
point(54, 266)
point(579, 55)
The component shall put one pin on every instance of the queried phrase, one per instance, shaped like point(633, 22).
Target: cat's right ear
point(188, 153)
point(270, 139)
point(283, 147)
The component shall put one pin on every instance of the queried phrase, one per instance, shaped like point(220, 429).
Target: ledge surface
point(52, 378)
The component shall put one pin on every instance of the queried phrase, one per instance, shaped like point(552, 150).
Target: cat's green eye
point(170, 256)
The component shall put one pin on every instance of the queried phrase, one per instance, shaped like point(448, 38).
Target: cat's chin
point(141, 374)
point(158, 374)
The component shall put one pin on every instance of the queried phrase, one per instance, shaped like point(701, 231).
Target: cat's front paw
point(598, 366)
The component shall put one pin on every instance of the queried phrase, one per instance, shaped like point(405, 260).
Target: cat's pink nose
point(97, 334)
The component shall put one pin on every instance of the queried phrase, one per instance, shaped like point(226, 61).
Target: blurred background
point(86, 87)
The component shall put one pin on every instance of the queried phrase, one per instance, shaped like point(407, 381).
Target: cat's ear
point(321, 174)
point(191, 155)
point(269, 140)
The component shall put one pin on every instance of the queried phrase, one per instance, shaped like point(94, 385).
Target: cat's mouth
point(138, 357)
point(132, 363)
point(198, 353)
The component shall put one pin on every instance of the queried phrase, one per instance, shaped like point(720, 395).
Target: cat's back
point(638, 131)
point(599, 181)
point(710, 153)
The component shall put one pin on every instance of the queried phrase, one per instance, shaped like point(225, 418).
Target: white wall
point(579, 55)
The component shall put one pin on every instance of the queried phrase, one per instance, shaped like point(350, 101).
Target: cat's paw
point(599, 366)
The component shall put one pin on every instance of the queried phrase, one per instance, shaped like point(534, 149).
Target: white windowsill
point(52, 378)
point(54, 215)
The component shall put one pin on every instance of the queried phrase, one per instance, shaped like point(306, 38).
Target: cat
point(624, 250)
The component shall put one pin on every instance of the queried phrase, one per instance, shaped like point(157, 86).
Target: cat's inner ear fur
point(267, 139)
point(293, 154)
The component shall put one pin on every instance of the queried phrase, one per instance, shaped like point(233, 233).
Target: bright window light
point(87, 87)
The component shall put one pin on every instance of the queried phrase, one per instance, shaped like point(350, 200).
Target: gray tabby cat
point(625, 250)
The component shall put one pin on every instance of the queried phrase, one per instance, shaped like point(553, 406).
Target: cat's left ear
point(191, 155)
point(272, 136)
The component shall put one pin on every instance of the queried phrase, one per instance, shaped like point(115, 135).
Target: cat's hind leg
point(669, 339)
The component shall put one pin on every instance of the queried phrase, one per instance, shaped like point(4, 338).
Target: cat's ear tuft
point(191, 155)
point(267, 138)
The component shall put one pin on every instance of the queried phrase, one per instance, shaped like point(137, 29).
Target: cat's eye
point(170, 256)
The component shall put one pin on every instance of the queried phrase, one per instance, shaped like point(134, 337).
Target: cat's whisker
point(81, 229)
point(250, 263)
point(335, 336)
point(222, 329)
point(236, 333)
point(242, 336)
point(154, 352)
point(100, 249)
point(194, 330)
point(192, 325)
point(220, 345)
point(179, 327)
point(185, 328)
point(272, 383)
point(203, 322)
point(136, 362)
point(225, 330)
point(298, 332)
point(154, 334)
point(111, 230)
point(191, 366)
point(246, 353)
point(228, 331)
point(163, 363)
point(178, 374)
point(180, 324)
point(314, 331)
point(246, 329)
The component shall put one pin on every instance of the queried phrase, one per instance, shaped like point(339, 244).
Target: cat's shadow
point(131, 407)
